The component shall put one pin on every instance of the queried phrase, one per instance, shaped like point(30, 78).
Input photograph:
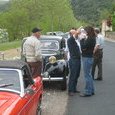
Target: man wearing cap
point(32, 52)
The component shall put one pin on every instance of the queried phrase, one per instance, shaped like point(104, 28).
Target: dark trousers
point(97, 63)
point(74, 66)
point(36, 68)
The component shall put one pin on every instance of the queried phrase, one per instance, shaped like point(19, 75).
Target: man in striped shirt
point(32, 52)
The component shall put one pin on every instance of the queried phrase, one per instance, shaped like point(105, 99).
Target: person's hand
point(79, 29)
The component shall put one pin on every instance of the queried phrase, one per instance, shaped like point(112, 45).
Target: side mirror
point(30, 91)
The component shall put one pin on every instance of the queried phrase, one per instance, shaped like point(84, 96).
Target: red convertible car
point(20, 94)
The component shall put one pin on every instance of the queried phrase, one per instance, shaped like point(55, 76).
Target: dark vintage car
point(55, 67)
point(56, 33)
point(20, 94)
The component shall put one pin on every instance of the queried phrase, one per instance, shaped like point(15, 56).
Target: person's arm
point(38, 53)
point(82, 43)
point(97, 46)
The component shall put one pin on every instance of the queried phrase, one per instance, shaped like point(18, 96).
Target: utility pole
point(52, 25)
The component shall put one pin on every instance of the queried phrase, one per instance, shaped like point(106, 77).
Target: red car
point(20, 94)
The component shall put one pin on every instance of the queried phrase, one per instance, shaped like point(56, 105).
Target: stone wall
point(110, 35)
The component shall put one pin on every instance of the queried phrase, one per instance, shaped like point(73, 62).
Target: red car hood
point(7, 99)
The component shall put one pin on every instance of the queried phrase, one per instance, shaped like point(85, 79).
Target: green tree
point(50, 15)
point(90, 10)
point(113, 16)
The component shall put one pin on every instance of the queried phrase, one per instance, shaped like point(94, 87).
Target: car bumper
point(53, 79)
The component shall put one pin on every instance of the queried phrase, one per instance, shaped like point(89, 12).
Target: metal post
point(2, 55)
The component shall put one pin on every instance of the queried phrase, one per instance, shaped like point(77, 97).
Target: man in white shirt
point(32, 52)
point(98, 55)
point(74, 62)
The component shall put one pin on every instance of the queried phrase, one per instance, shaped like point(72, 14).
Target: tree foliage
point(91, 11)
point(113, 15)
point(50, 15)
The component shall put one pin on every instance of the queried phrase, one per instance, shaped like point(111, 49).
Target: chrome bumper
point(53, 79)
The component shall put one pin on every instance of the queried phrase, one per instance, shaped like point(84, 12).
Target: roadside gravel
point(54, 100)
point(10, 54)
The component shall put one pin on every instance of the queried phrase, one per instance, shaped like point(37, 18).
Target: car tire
point(39, 109)
point(64, 83)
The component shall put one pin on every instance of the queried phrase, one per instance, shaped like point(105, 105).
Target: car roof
point(12, 64)
point(16, 64)
point(57, 32)
point(50, 37)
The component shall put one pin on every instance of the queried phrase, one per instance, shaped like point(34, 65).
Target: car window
point(63, 43)
point(66, 35)
point(49, 45)
point(26, 79)
point(9, 79)
point(59, 33)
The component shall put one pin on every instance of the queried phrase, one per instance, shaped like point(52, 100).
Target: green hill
point(90, 10)
point(3, 5)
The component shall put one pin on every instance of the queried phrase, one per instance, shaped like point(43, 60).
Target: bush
point(113, 22)
point(3, 35)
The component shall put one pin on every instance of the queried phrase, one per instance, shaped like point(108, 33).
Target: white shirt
point(32, 49)
point(100, 41)
point(78, 43)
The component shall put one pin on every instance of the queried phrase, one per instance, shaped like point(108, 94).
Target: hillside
point(3, 5)
point(84, 10)
point(90, 10)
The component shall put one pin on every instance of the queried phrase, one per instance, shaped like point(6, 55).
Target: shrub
point(3, 35)
point(113, 22)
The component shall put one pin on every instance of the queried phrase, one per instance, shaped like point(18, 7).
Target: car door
point(30, 96)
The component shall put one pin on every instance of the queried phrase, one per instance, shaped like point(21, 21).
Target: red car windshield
point(9, 80)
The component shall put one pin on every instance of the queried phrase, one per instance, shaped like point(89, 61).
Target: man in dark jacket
point(74, 62)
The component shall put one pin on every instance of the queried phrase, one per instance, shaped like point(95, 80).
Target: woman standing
point(87, 46)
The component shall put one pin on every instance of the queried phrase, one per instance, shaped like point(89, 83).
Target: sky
point(4, 0)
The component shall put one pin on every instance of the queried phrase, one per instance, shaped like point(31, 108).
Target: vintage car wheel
point(64, 83)
point(39, 109)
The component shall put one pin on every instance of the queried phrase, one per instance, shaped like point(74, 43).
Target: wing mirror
point(30, 91)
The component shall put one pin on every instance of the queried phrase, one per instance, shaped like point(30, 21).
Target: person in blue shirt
point(98, 55)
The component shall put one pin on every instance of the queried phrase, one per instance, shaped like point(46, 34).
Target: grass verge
point(10, 45)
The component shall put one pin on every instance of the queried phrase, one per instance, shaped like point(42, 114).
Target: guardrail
point(5, 56)
point(110, 35)
point(1, 55)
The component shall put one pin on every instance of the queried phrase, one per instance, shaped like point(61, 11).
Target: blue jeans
point(74, 67)
point(87, 66)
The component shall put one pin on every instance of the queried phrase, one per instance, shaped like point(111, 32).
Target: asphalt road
point(57, 102)
point(103, 102)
